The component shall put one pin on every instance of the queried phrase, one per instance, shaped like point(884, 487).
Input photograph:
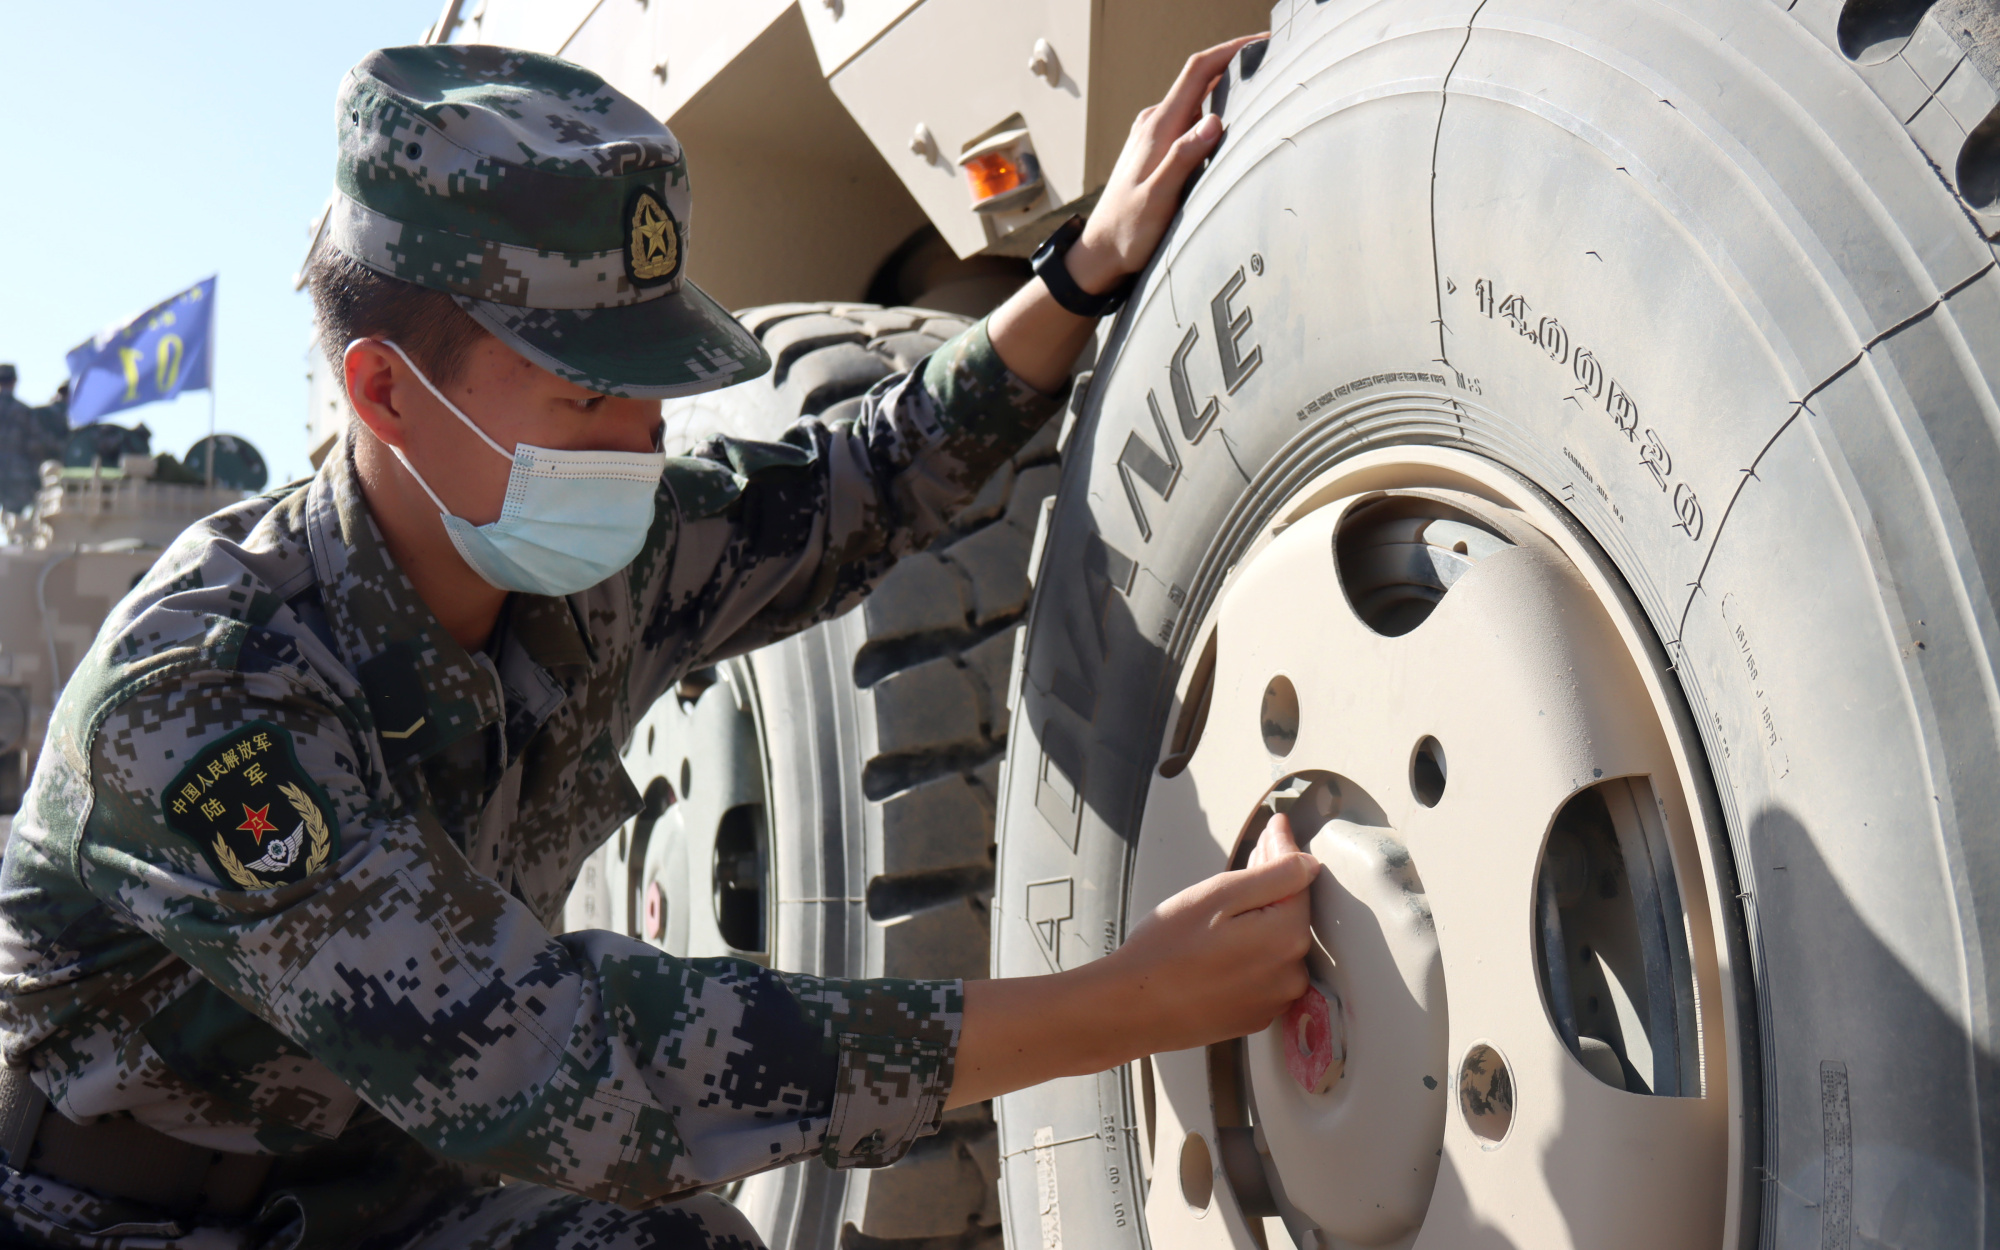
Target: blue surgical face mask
point(571, 518)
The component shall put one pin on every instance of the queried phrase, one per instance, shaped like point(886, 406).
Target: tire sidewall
point(1569, 320)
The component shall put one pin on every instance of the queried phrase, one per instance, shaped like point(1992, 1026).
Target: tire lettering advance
point(1160, 469)
point(1157, 470)
point(1237, 364)
point(1193, 424)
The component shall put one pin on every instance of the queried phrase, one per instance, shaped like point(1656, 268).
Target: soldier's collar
point(424, 692)
point(549, 631)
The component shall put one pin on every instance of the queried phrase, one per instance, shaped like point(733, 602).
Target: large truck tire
point(1554, 457)
point(825, 804)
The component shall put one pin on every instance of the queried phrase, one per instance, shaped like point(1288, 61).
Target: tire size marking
point(1594, 383)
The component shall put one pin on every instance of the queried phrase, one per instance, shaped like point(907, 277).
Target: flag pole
point(208, 490)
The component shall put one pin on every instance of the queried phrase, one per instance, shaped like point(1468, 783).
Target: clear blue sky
point(148, 146)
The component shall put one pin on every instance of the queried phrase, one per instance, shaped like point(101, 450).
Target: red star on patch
point(257, 822)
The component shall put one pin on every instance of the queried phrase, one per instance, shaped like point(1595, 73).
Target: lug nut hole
point(1280, 716)
point(1427, 772)
point(1399, 555)
point(1486, 1094)
point(1197, 1172)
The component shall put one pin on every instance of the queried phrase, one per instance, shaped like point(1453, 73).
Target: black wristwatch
point(1050, 267)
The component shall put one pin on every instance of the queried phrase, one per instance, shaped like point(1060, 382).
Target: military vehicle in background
point(1552, 456)
point(103, 514)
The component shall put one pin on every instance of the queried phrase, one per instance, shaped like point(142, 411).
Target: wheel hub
point(1430, 687)
point(1375, 962)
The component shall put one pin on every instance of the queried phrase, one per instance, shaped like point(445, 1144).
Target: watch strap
point(1051, 267)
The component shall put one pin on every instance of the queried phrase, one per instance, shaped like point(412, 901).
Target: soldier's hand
point(1168, 142)
point(1035, 336)
point(1218, 960)
point(1223, 957)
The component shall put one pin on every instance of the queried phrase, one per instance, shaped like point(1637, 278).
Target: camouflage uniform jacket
point(404, 956)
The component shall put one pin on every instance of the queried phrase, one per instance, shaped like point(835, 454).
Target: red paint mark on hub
point(1307, 1033)
point(656, 912)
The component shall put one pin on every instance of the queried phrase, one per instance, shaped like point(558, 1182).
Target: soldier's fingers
point(1263, 884)
point(1273, 935)
point(1275, 840)
point(1183, 158)
point(1182, 105)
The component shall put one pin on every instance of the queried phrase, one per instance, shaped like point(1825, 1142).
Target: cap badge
point(653, 249)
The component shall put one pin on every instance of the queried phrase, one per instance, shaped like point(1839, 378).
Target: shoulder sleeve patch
point(259, 820)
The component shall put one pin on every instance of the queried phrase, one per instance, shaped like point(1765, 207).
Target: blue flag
point(156, 355)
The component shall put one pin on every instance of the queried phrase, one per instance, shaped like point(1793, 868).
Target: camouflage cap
point(551, 206)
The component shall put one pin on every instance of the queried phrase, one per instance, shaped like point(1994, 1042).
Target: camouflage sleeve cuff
point(976, 394)
point(891, 1083)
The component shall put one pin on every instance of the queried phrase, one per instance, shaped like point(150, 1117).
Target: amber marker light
point(1001, 172)
point(991, 174)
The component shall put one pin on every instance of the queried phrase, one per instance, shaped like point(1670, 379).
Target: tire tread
point(929, 653)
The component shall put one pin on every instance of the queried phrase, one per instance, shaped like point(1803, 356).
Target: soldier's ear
point(371, 371)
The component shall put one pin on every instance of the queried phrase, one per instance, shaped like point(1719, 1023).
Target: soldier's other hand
point(1168, 142)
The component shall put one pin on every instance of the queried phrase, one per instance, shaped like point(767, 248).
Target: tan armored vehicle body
point(828, 140)
point(92, 534)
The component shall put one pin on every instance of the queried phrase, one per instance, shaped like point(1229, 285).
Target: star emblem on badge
point(653, 234)
point(654, 248)
point(257, 822)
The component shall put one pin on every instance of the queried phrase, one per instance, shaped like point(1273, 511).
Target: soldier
point(55, 414)
point(275, 925)
point(28, 436)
